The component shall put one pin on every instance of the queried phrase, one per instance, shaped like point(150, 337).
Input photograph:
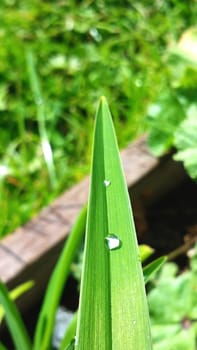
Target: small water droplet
point(107, 183)
point(113, 242)
point(134, 322)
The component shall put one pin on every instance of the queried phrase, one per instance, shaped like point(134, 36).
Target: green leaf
point(174, 336)
point(70, 333)
point(177, 317)
point(186, 142)
point(152, 268)
point(2, 347)
point(186, 48)
point(164, 117)
point(113, 311)
point(176, 294)
point(41, 118)
point(148, 271)
point(45, 324)
point(16, 292)
point(71, 346)
point(14, 321)
point(145, 252)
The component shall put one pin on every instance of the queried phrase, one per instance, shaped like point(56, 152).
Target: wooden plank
point(10, 264)
point(31, 251)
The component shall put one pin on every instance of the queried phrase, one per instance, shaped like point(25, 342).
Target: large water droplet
point(107, 183)
point(113, 242)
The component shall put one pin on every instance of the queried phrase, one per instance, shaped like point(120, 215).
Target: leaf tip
point(103, 99)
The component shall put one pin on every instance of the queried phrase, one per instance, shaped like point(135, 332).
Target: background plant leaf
point(16, 292)
point(145, 251)
point(2, 347)
point(177, 316)
point(186, 142)
point(164, 116)
point(150, 269)
point(38, 99)
point(70, 333)
point(14, 321)
point(45, 325)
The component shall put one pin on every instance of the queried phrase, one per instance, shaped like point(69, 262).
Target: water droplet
point(107, 183)
point(134, 322)
point(113, 242)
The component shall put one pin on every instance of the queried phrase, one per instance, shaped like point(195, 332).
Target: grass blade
point(70, 333)
point(148, 272)
point(36, 90)
point(45, 324)
point(153, 267)
point(14, 321)
point(113, 311)
point(16, 292)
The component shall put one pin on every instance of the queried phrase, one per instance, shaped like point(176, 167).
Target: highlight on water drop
point(107, 183)
point(113, 242)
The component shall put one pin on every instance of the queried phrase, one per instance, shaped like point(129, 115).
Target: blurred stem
point(70, 333)
point(22, 131)
point(3, 206)
point(182, 249)
point(38, 99)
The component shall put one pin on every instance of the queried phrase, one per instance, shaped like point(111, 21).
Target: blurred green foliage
point(173, 307)
point(172, 118)
point(81, 50)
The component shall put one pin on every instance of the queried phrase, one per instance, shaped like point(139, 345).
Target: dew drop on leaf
point(113, 242)
point(107, 183)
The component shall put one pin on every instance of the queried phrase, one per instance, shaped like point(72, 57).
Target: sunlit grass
point(81, 52)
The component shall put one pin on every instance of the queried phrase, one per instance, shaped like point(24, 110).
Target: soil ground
point(172, 221)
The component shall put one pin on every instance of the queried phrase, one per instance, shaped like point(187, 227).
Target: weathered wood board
point(31, 251)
